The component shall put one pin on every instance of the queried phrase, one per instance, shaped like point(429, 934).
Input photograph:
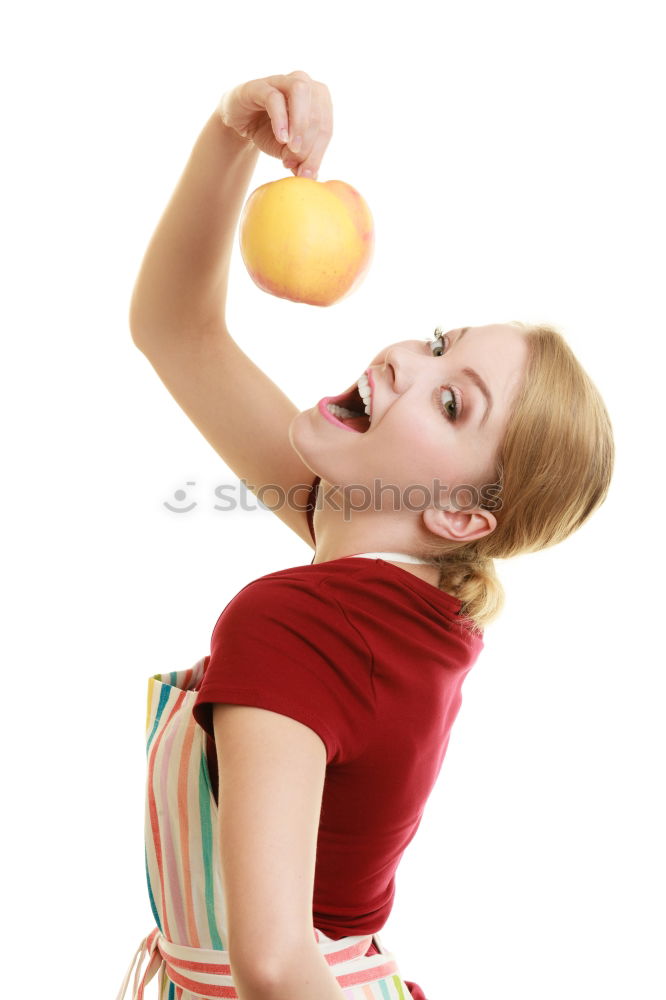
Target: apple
point(306, 240)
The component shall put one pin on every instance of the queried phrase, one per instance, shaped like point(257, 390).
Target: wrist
point(234, 137)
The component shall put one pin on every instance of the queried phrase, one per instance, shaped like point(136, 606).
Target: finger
point(289, 159)
point(319, 134)
point(312, 162)
point(276, 106)
point(265, 94)
point(299, 95)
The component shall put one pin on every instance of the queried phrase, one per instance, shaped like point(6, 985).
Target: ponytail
point(471, 577)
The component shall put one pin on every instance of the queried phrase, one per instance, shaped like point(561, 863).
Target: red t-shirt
point(372, 658)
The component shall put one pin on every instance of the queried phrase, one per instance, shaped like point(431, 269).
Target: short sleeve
point(283, 645)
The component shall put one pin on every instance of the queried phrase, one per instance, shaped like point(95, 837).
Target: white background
point(511, 155)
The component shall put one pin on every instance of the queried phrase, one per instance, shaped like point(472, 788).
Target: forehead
point(499, 347)
point(495, 330)
point(495, 337)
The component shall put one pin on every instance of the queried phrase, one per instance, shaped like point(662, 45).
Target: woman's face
point(432, 426)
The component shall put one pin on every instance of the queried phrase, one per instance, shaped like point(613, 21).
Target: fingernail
point(284, 135)
point(306, 173)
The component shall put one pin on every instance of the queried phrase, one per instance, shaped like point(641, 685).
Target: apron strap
point(206, 972)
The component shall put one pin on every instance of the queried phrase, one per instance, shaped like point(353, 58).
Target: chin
point(331, 464)
point(303, 440)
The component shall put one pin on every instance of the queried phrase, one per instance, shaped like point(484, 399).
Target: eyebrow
point(477, 380)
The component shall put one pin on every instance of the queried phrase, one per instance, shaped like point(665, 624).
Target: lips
point(351, 401)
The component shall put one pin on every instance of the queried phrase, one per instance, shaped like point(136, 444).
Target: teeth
point(365, 391)
point(340, 411)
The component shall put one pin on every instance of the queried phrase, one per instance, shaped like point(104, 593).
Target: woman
point(288, 770)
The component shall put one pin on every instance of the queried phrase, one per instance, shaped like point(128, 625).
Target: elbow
point(135, 341)
point(134, 332)
point(140, 341)
point(132, 320)
point(138, 323)
point(261, 973)
point(134, 329)
point(258, 979)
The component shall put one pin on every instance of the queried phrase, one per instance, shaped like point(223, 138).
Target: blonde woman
point(289, 768)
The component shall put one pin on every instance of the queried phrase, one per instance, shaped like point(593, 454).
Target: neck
point(425, 571)
point(338, 539)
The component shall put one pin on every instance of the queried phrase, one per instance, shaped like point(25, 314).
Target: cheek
point(423, 433)
point(412, 451)
point(422, 451)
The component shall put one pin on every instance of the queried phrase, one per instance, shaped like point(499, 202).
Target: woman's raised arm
point(178, 306)
point(182, 283)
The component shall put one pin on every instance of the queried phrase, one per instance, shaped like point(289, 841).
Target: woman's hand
point(274, 111)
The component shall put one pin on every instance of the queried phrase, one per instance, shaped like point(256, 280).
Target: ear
point(459, 525)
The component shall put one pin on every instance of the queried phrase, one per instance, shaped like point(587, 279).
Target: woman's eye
point(444, 404)
point(438, 345)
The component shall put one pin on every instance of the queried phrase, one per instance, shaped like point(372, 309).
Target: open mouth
point(348, 410)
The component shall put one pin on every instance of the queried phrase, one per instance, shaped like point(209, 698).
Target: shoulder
point(300, 590)
point(283, 644)
point(293, 614)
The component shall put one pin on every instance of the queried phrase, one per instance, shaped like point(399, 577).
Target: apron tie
point(206, 972)
point(148, 947)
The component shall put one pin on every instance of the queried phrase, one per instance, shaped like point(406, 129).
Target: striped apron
point(187, 947)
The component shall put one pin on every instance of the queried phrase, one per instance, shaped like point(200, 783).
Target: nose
point(399, 368)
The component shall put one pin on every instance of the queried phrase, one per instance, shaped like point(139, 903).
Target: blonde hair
point(553, 471)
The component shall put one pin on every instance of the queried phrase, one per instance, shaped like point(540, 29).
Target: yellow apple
point(305, 240)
